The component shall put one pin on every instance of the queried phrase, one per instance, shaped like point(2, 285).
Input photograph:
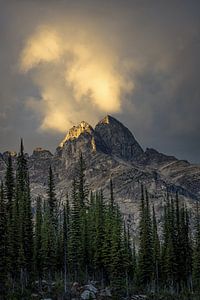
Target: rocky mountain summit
point(111, 151)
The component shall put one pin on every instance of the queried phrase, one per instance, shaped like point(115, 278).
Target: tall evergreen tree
point(9, 185)
point(111, 194)
point(185, 253)
point(52, 202)
point(65, 244)
point(76, 236)
point(168, 247)
point(48, 249)
point(177, 244)
point(14, 242)
point(156, 253)
point(10, 198)
point(23, 201)
point(145, 262)
point(128, 263)
point(28, 231)
point(134, 264)
point(108, 226)
point(99, 232)
point(38, 239)
point(117, 268)
point(79, 215)
point(3, 242)
point(196, 252)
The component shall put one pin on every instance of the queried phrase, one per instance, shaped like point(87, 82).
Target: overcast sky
point(62, 62)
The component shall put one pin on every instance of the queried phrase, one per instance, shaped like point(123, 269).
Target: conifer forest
point(84, 239)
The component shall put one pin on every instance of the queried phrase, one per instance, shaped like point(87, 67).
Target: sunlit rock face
point(111, 151)
point(81, 138)
point(76, 131)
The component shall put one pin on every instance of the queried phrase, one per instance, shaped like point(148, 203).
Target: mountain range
point(111, 151)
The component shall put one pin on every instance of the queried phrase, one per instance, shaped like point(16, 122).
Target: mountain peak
point(109, 136)
point(108, 120)
point(76, 131)
point(118, 139)
point(105, 120)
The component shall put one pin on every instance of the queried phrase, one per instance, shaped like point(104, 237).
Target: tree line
point(86, 238)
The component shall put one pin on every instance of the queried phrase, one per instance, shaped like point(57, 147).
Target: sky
point(62, 62)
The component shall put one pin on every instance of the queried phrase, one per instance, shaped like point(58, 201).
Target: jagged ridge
point(111, 150)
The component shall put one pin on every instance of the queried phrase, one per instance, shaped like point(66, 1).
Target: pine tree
point(134, 265)
point(28, 231)
point(9, 186)
point(14, 242)
point(52, 198)
point(117, 267)
point(196, 255)
point(168, 247)
point(38, 239)
point(67, 210)
point(76, 233)
point(79, 220)
point(10, 198)
point(111, 194)
point(25, 218)
point(156, 253)
point(99, 232)
point(113, 248)
point(85, 260)
point(48, 248)
point(3, 243)
point(145, 262)
point(177, 245)
point(91, 219)
point(185, 250)
point(65, 243)
point(108, 226)
point(127, 258)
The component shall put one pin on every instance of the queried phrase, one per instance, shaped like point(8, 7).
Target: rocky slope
point(111, 151)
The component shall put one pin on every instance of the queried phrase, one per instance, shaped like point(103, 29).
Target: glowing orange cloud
point(75, 77)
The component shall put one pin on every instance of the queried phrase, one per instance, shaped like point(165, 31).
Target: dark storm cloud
point(161, 37)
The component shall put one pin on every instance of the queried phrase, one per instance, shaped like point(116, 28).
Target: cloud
point(43, 46)
point(73, 74)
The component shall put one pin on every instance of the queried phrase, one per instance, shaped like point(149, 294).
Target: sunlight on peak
point(76, 131)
